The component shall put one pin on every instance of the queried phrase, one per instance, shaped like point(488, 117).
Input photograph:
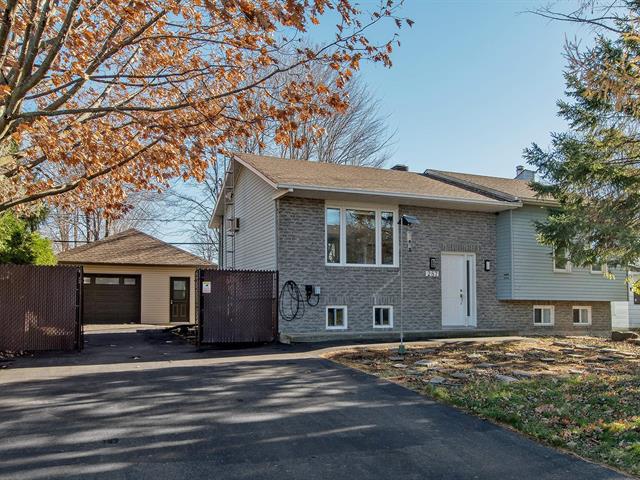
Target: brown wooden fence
point(40, 308)
point(237, 306)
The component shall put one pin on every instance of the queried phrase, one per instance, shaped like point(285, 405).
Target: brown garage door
point(111, 298)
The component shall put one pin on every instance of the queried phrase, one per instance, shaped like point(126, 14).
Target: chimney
point(525, 174)
point(400, 167)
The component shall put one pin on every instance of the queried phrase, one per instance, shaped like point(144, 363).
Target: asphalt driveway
point(145, 406)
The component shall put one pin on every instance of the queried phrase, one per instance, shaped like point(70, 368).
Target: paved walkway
point(147, 406)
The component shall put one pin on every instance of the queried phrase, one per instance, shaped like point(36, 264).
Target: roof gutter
point(282, 192)
point(509, 204)
point(541, 203)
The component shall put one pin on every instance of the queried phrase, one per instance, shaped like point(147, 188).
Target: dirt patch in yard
point(578, 393)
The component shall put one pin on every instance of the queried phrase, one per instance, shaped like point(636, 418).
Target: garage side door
point(111, 298)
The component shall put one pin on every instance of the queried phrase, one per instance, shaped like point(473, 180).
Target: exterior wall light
point(487, 265)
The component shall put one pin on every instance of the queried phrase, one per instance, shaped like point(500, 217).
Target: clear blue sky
point(473, 83)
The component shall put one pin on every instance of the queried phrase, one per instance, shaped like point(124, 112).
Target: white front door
point(458, 289)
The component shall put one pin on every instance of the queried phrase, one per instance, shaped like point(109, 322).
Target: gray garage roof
point(131, 247)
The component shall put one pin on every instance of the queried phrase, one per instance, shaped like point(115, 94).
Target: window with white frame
point(336, 317)
point(561, 261)
point(333, 235)
point(598, 269)
point(382, 316)
point(543, 314)
point(361, 236)
point(387, 227)
point(582, 315)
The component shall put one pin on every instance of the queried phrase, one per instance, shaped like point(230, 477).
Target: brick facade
point(301, 258)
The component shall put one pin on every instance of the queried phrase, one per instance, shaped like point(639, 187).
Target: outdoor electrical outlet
point(316, 290)
point(308, 290)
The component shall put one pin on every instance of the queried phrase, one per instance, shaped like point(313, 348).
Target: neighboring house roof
point(130, 247)
point(507, 188)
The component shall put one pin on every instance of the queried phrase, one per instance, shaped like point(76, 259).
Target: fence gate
point(40, 308)
point(237, 306)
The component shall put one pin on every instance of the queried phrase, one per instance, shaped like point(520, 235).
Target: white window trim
point(581, 307)
point(326, 317)
point(567, 269)
point(603, 270)
point(343, 207)
point(390, 307)
point(551, 316)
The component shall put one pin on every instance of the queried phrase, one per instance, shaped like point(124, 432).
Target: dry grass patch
point(578, 393)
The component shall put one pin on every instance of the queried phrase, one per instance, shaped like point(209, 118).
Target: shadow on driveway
point(269, 419)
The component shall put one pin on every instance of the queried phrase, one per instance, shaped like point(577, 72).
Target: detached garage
point(132, 277)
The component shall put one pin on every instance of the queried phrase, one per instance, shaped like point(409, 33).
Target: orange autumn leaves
point(99, 98)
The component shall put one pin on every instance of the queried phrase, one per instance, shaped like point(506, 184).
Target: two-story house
point(374, 250)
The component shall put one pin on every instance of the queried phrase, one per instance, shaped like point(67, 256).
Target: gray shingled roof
point(520, 189)
point(284, 173)
point(130, 247)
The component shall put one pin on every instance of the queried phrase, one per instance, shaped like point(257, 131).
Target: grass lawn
point(581, 394)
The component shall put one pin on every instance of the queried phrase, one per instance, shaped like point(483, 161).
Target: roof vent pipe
point(400, 167)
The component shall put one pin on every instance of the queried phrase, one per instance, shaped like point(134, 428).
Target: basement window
point(382, 316)
point(582, 315)
point(543, 315)
point(337, 317)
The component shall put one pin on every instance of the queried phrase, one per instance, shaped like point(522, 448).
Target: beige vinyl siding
point(154, 288)
point(255, 242)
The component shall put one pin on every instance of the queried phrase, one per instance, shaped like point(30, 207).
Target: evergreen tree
point(21, 244)
point(594, 169)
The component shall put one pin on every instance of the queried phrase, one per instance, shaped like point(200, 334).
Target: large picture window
point(361, 236)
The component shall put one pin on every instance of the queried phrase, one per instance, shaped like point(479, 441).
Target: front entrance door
point(179, 299)
point(458, 289)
